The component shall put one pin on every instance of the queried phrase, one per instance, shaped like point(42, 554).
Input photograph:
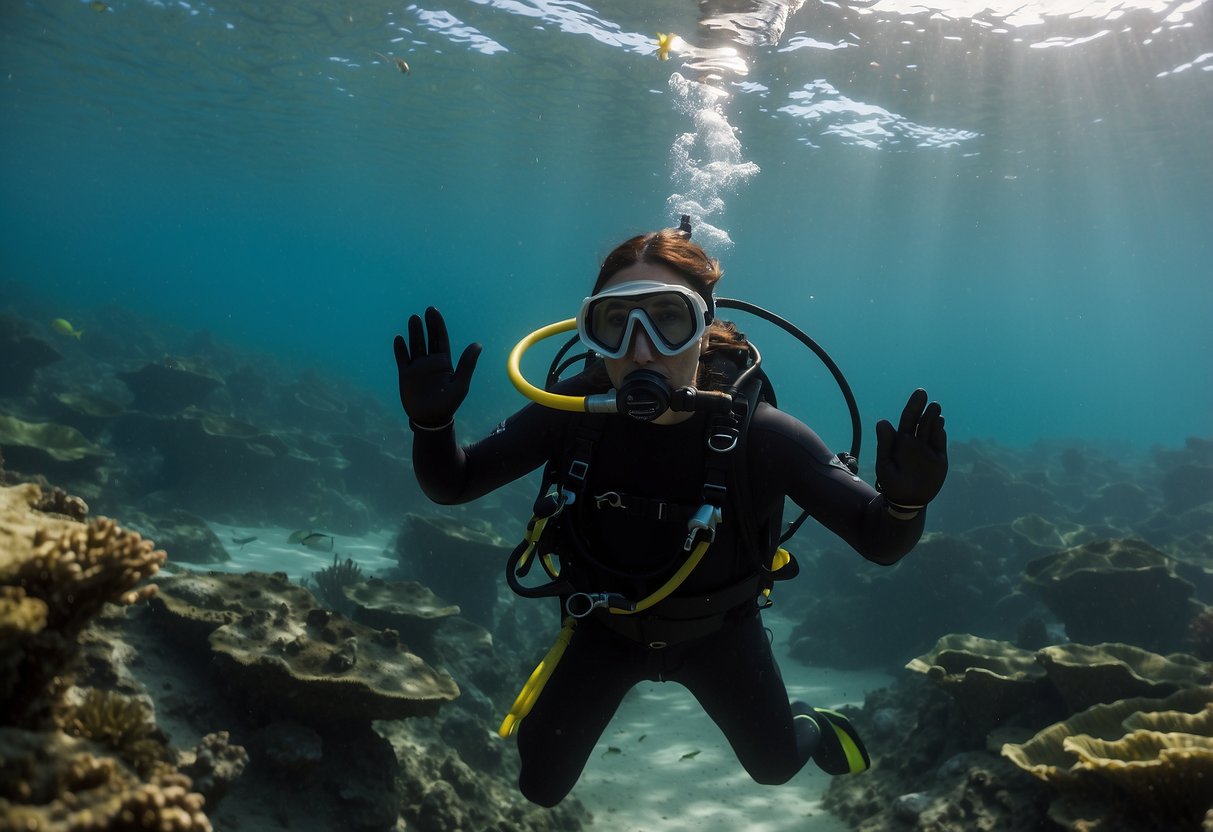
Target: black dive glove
point(912, 461)
point(429, 392)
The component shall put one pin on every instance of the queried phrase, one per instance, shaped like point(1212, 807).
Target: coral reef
point(1084, 675)
point(1143, 758)
point(21, 355)
point(214, 765)
point(930, 771)
point(49, 781)
point(55, 500)
point(189, 606)
point(56, 577)
point(121, 723)
point(171, 384)
point(302, 664)
point(459, 560)
point(995, 682)
point(1081, 585)
point(318, 749)
point(57, 574)
point(407, 607)
point(992, 681)
point(47, 448)
point(440, 791)
point(292, 658)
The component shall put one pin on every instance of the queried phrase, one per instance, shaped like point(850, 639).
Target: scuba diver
point(659, 522)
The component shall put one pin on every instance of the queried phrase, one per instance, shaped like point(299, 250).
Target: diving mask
point(674, 317)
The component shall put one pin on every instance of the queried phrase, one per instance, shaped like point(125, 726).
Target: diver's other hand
point(912, 460)
point(430, 392)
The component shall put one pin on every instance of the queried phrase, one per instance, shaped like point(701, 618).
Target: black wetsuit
point(730, 670)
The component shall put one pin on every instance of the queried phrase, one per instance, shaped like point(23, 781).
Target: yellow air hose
point(539, 677)
point(529, 694)
point(577, 404)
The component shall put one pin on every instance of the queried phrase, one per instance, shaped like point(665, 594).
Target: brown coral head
point(79, 571)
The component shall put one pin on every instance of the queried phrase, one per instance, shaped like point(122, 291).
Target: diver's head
point(650, 326)
point(669, 354)
point(673, 249)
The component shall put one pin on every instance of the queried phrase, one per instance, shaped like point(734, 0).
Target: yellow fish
point(664, 42)
point(64, 328)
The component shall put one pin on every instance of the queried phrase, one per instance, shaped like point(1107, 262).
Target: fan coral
point(331, 581)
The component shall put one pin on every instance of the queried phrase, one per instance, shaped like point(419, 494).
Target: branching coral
point(55, 576)
point(49, 781)
point(77, 573)
point(121, 723)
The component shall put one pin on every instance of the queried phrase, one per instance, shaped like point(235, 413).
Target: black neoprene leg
point(575, 707)
point(734, 676)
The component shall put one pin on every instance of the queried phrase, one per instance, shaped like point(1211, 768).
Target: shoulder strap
point(759, 540)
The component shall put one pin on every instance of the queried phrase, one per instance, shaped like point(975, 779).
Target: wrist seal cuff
point(427, 429)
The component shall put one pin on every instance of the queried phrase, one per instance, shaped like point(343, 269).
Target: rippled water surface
point(1006, 203)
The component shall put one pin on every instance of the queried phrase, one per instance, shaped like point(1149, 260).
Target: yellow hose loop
point(535, 394)
point(529, 694)
point(672, 584)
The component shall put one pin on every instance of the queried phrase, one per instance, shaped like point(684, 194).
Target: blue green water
point(1011, 210)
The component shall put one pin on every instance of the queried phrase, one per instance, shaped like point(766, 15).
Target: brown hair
point(672, 248)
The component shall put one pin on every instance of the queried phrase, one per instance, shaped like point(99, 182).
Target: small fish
point(98, 6)
point(664, 43)
point(641, 738)
point(399, 62)
point(312, 540)
point(612, 750)
point(65, 328)
point(690, 755)
point(240, 541)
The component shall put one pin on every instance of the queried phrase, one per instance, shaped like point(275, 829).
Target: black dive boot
point(839, 748)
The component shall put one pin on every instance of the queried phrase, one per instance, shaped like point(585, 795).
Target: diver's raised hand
point(912, 460)
point(430, 392)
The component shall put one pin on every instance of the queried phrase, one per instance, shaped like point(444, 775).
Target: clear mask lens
point(672, 316)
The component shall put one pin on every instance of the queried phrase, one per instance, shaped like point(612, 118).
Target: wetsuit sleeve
point(449, 473)
point(788, 458)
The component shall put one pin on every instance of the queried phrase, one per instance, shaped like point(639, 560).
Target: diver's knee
point(545, 794)
point(772, 778)
point(772, 772)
